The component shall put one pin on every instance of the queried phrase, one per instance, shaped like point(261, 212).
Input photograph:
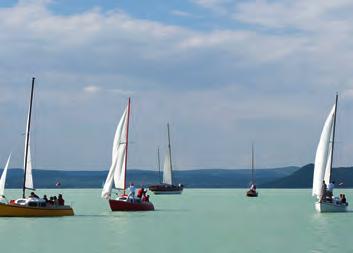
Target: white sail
point(167, 170)
point(117, 168)
point(29, 178)
point(323, 155)
point(3, 177)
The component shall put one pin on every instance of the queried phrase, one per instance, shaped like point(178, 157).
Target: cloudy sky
point(223, 73)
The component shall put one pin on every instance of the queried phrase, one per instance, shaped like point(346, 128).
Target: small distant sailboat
point(117, 171)
point(252, 191)
point(323, 166)
point(167, 186)
point(31, 206)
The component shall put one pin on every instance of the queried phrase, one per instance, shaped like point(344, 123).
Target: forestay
point(3, 177)
point(117, 168)
point(323, 157)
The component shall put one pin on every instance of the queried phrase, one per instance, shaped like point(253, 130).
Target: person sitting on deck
point(140, 192)
point(55, 199)
point(145, 197)
point(51, 201)
point(3, 199)
point(61, 201)
point(132, 192)
point(343, 199)
point(45, 198)
point(33, 196)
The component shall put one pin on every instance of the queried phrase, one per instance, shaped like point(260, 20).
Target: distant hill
point(202, 178)
point(303, 178)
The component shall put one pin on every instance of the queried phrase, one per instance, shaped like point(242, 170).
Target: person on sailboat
point(33, 196)
point(330, 188)
point(3, 199)
point(132, 192)
point(323, 191)
point(140, 192)
point(253, 187)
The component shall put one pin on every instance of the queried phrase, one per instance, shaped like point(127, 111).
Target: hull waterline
point(166, 189)
point(12, 210)
point(129, 206)
point(251, 194)
point(328, 207)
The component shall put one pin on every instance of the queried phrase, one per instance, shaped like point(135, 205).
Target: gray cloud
point(221, 89)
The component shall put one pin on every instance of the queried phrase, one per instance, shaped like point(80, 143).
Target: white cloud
point(271, 80)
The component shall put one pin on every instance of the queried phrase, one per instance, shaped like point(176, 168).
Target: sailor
point(132, 192)
point(253, 187)
point(323, 191)
point(3, 199)
point(140, 192)
point(34, 196)
point(330, 188)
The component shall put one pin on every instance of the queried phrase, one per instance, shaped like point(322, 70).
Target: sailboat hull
point(166, 189)
point(328, 207)
point(251, 193)
point(14, 210)
point(130, 206)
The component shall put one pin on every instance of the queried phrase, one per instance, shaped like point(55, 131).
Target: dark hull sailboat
point(166, 189)
point(128, 205)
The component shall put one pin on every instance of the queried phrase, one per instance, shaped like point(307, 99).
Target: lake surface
point(199, 220)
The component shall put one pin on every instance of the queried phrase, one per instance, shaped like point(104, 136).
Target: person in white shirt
point(132, 192)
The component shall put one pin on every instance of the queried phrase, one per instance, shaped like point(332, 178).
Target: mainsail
point(167, 170)
point(117, 169)
point(168, 167)
point(323, 158)
point(27, 164)
point(3, 177)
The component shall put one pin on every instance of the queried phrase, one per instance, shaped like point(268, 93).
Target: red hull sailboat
point(117, 172)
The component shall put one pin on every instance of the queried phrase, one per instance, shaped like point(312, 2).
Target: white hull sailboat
point(323, 167)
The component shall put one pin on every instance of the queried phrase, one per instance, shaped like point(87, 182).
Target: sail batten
point(3, 177)
point(117, 171)
point(323, 158)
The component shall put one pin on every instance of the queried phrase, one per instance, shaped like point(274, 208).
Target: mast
point(127, 141)
point(170, 151)
point(252, 164)
point(27, 139)
point(333, 135)
point(159, 165)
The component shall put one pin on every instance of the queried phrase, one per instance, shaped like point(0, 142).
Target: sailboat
point(323, 166)
point(117, 171)
point(252, 191)
point(31, 206)
point(167, 186)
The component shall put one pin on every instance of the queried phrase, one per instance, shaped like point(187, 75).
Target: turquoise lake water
point(199, 220)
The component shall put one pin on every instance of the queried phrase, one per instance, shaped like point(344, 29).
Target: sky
point(224, 73)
